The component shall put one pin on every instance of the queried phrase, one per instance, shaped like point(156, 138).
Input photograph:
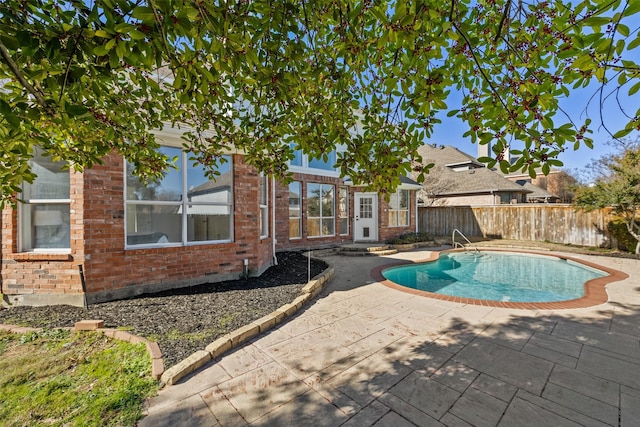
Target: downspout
point(273, 220)
point(84, 285)
point(416, 214)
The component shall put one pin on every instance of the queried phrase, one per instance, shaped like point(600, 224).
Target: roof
point(474, 179)
point(221, 182)
point(537, 193)
point(446, 155)
point(407, 183)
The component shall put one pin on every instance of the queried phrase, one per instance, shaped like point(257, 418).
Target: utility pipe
point(273, 220)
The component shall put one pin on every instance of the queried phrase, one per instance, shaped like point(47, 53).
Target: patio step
point(367, 250)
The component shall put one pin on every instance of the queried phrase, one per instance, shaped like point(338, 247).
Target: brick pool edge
point(594, 289)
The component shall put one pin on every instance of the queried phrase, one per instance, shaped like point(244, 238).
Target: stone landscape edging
point(240, 336)
point(416, 245)
point(157, 363)
point(215, 349)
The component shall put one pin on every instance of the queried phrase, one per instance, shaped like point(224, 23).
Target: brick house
point(102, 235)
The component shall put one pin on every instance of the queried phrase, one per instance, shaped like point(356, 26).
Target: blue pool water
point(497, 276)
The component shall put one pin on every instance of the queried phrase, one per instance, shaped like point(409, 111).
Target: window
point(264, 206)
point(326, 162)
point(301, 161)
point(295, 212)
point(399, 209)
point(45, 213)
point(183, 207)
point(320, 210)
point(297, 159)
point(343, 210)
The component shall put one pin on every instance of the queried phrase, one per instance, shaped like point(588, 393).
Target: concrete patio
point(363, 354)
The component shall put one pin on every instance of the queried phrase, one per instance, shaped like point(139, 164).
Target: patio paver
point(364, 354)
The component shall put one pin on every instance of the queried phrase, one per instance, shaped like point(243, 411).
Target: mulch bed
point(183, 321)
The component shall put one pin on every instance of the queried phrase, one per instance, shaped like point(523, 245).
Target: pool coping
point(594, 290)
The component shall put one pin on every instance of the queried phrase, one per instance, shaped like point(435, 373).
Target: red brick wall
point(113, 272)
point(98, 243)
point(385, 232)
point(34, 276)
point(282, 216)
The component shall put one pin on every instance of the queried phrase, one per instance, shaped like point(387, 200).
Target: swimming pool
point(498, 276)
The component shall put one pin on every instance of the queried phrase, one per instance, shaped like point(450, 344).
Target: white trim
point(265, 225)
point(172, 136)
point(184, 204)
point(300, 213)
point(398, 208)
point(338, 217)
point(321, 218)
point(313, 171)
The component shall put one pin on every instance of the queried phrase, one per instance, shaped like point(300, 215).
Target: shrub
point(411, 238)
point(618, 229)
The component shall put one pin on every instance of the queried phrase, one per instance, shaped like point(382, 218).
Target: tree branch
point(15, 69)
point(482, 71)
point(507, 7)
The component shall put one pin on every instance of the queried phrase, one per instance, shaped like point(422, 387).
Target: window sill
point(37, 256)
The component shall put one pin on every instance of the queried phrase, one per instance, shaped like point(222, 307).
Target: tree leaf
point(631, 8)
point(8, 114)
point(75, 110)
point(622, 133)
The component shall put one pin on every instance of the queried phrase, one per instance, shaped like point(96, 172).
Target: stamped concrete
point(364, 354)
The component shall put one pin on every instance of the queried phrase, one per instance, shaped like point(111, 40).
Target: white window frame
point(321, 218)
point(398, 209)
point(263, 203)
point(343, 216)
point(184, 204)
point(305, 161)
point(22, 211)
point(297, 218)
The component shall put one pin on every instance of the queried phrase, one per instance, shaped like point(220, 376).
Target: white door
point(366, 217)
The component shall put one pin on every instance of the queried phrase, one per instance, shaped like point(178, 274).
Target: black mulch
point(185, 320)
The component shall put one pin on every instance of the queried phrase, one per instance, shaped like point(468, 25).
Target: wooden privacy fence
point(534, 222)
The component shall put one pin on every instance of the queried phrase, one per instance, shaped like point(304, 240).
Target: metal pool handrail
point(461, 245)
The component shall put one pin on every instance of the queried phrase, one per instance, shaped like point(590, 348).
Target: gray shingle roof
point(537, 193)
point(474, 180)
point(446, 155)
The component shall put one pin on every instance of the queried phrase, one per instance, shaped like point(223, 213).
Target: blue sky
point(450, 131)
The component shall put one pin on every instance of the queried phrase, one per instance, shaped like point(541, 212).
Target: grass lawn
point(59, 378)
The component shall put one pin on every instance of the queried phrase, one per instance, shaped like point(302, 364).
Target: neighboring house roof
point(221, 182)
point(537, 193)
point(447, 156)
point(458, 173)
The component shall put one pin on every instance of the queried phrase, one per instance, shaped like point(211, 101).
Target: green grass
point(59, 378)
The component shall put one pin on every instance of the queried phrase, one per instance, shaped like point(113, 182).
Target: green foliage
point(618, 229)
point(57, 378)
point(618, 188)
point(82, 79)
point(412, 238)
